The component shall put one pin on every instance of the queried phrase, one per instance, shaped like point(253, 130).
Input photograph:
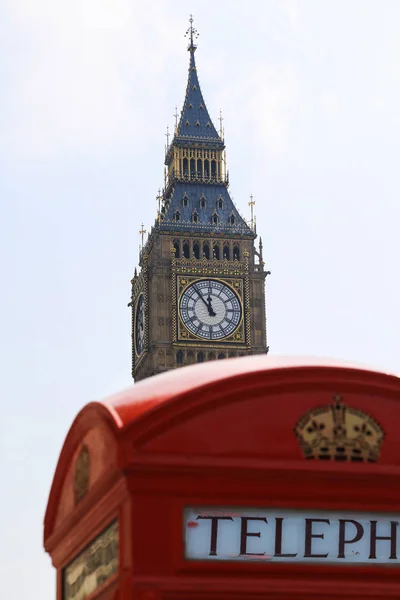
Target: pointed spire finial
point(176, 118)
point(251, 204)
point(142, 232)
point(192, 33)
point(221, 131)
point(158, 198)
point(167, 136)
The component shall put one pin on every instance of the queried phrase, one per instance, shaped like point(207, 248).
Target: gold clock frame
point(238, 336)
point(204, 268)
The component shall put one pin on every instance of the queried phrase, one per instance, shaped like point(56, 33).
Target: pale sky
point(310, 94)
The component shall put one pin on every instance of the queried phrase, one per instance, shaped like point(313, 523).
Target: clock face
point(139, 326)
point(210, 309)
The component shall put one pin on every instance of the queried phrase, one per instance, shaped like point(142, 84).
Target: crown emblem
point(339, 432)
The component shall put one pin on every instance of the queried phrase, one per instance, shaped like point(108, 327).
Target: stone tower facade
point(200, 291)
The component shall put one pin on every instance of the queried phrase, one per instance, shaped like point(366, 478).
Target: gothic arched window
point(220, 203)
point(195, 217)
point(186, 250)
point(185, 200)
point(176, 246)
point(196, 250)
point(177, 216)
point(221, 355)
point(236, 253)
point(216, 251)
point(232, 219)
point(200, 357)
point(179, 357)
point(215, 219)
point(206, 250)
point(226, 251)
point(203, 202)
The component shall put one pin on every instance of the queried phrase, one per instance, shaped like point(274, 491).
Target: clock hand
point(195, 287)
point(208, 304)
point(210, 309)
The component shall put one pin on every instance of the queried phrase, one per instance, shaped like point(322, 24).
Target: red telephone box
point(243, 478)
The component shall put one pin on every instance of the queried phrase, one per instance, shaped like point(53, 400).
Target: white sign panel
point(291, 536)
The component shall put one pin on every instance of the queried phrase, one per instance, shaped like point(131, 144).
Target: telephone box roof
point(127, 405)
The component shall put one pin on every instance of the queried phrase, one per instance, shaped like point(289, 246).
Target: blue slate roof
point(195, 122)
point(186, 194)
point(187, 199)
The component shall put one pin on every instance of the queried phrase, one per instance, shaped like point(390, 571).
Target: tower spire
point(196, 187)
point(195, 121)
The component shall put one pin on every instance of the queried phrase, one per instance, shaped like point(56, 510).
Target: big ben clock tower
point(200, 292)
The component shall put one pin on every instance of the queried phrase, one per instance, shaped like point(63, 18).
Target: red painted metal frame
point(155, 481)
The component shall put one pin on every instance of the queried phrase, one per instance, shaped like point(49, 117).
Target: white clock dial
point(210, 309)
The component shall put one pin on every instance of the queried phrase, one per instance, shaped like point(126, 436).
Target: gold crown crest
point(338, 432)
